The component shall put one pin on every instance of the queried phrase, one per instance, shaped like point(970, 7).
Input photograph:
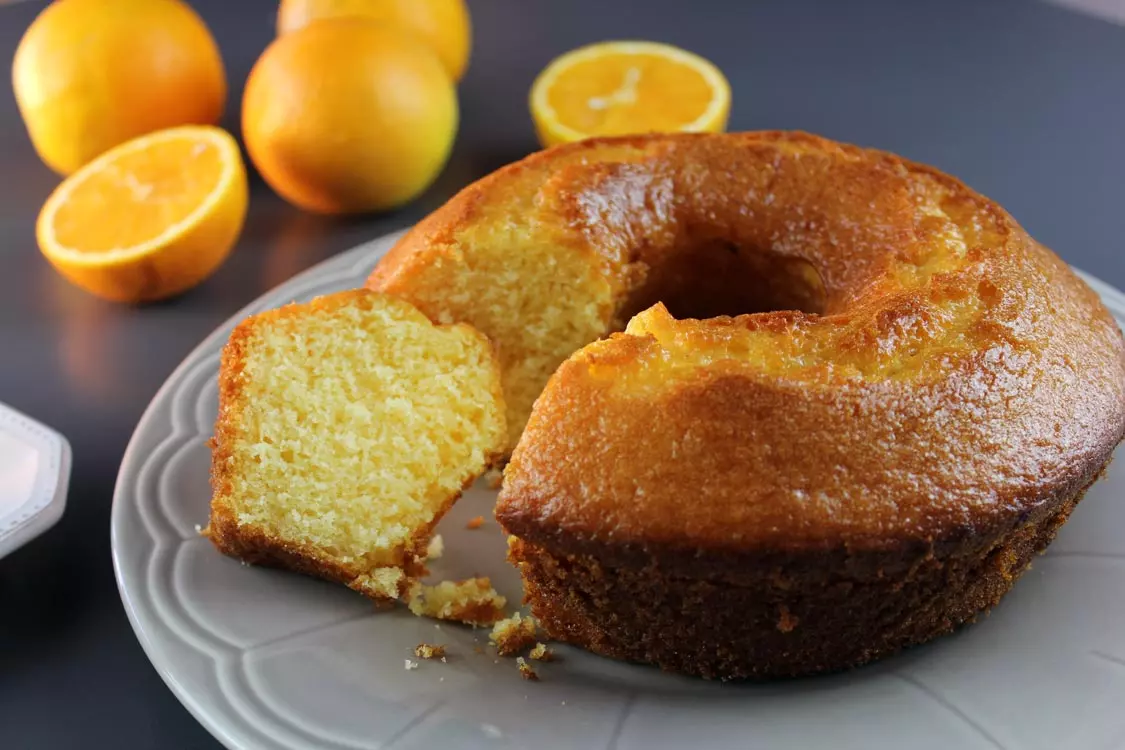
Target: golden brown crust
point(257, 546)
point(791, 618)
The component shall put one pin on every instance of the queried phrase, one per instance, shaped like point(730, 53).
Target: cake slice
point(347, 427)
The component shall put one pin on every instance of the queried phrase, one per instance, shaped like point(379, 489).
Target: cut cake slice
point(347, 427)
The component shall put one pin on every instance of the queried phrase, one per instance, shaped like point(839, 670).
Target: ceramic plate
point(267, 659)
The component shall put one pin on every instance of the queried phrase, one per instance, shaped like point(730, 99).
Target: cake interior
point(356, 425)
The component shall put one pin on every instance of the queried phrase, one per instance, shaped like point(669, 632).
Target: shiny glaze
point(960, 380)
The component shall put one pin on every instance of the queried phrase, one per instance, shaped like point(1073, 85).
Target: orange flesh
point(137, 197)
point(627, 93)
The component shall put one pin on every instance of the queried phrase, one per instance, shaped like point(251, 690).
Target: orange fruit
point(615, 88)
point(149, 218)
point(442, 24)
point(90, 74)
point(347, 116)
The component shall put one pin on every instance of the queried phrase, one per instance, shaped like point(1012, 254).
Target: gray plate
point(272, 660)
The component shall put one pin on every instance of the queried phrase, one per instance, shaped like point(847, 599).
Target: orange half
point(149, 218)
point(617, 88)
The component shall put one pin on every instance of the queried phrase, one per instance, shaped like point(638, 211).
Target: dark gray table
point(1024, 101)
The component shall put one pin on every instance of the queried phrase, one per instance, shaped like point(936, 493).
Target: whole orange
point(442, 24)
point(347, 116)
point(90, 74)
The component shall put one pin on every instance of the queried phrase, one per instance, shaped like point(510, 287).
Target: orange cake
point(909, 401)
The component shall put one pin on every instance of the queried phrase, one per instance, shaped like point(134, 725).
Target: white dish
point(34, 474)
point(267, 659)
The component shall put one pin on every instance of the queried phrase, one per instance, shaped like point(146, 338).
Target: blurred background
point(1023, 100)
point(1112, 10)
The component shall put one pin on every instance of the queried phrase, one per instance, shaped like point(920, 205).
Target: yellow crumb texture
point(526, 670)
point(347, 427)
point(543, 301)
point(514, 634)
point(541, 652)
point(381, 583)
point(435, 548)
point(472, 601)
point(429, 651)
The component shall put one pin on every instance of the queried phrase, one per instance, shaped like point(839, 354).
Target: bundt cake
point(347, 427)
point(910, 400)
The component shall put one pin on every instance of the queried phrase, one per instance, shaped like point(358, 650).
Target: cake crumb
point(429, 651)
point(411, 665)
point(786, 622)
point(526, 671)
point(513, 635)
point(472, 601)
point(435, 548)
point(443, 660)
point(541, 652)
point(475, 523)
point(198, 529)
point(494, 478)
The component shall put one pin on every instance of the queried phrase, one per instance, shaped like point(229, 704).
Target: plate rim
point(347, 264)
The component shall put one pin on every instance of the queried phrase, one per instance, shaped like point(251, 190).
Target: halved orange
point(615, 88)
point(150, 218)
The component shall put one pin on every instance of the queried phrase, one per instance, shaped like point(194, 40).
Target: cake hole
point(717, 277)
